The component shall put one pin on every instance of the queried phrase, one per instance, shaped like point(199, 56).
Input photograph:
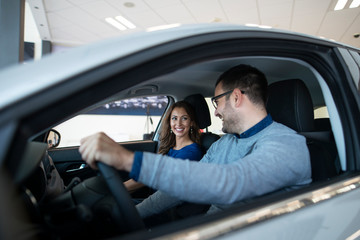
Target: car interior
point(78, 203)
point(290, 103)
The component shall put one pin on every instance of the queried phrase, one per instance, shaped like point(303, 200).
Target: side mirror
point(53, 138)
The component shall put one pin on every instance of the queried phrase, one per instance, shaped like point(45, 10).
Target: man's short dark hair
point(248, 79)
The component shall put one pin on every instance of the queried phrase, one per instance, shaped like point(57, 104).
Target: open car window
point(131, 119)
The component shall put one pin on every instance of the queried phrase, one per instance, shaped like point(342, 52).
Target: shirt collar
point(256, 128)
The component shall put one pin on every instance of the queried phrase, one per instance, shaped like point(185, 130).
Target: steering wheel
point(114, 182)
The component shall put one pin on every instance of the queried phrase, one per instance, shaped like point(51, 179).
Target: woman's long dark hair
point(167, 138)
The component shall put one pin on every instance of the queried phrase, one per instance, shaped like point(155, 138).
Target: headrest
point(289, 102)
point(201, 108)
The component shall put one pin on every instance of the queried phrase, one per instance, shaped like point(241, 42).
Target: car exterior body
point(179, 62)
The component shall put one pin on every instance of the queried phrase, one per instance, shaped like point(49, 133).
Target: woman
point(179, 137)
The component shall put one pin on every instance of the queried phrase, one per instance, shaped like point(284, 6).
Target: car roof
point(27, 79)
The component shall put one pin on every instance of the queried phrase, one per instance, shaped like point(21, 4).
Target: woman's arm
point(131, 185)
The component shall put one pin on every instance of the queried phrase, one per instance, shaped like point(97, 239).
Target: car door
point(131, 122)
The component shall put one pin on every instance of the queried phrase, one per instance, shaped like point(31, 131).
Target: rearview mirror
point(53, 138)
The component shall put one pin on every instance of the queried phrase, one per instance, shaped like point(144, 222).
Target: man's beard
point(228, 126)
point(229, 122)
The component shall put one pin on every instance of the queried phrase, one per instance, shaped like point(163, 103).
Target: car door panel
point(69, 163)
point(320, 221)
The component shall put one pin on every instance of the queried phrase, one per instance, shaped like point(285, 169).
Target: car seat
point(198, 102)
point(289, 102)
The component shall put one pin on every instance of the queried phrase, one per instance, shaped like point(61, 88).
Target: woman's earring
point(191, 130)
point(170, 131)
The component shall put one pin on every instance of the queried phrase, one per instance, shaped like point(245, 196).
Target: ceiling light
point(115, 23)
point(355, 4)
point(125, 22)
point(340, 5)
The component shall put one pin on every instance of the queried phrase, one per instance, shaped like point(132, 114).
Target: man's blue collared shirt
point(256, 128)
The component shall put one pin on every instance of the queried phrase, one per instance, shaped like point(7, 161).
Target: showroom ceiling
point(78, 22)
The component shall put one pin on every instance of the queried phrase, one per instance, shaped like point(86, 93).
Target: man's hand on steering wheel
point(100, 147)
point(102, 153)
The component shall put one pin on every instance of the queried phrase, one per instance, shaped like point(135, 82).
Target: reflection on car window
point(216, 123)
point(124, 120)
point(321, 112)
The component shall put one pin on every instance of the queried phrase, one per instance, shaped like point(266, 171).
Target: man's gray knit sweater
point(234, 169)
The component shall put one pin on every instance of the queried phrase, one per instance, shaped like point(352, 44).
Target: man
point(255, 157)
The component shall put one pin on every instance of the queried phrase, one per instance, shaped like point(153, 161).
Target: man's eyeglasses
point(214, 99)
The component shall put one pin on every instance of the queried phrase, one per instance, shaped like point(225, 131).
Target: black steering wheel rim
point(116, 186)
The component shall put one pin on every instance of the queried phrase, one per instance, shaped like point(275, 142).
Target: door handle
point(81, 167)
